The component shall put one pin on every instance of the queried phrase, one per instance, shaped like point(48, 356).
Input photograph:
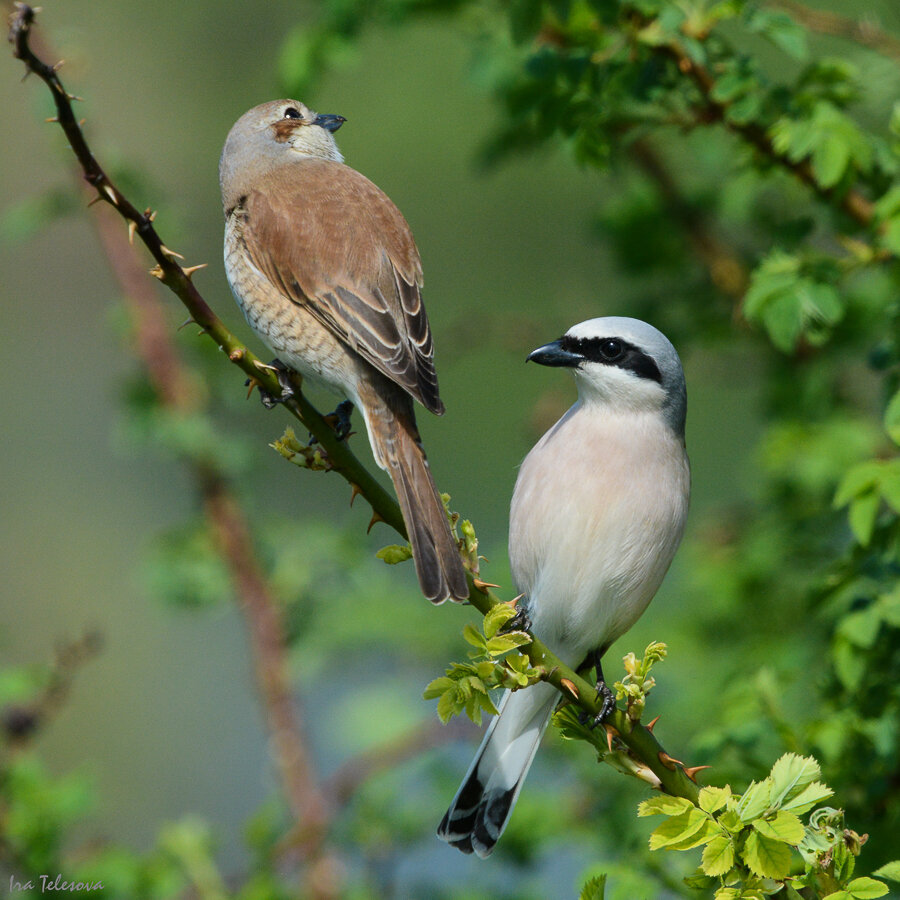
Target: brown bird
point(326, 271)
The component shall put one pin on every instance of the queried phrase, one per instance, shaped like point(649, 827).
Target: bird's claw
point(519, 622)
point(608, 703)
point(339, 419)
point(283, 374)
point(605, 694)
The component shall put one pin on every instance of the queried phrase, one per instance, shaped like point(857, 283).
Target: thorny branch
point(727, 270)
point(20, 721)
point(172, 382)
point(852, 202)
point(640, 740)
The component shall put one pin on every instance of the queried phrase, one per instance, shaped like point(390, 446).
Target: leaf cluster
point(753, 843)
point(495, 662)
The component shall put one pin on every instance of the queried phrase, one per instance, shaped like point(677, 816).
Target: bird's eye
point(611, 349)
point(292, 113)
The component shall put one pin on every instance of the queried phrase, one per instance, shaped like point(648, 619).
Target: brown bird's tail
point(395, 441)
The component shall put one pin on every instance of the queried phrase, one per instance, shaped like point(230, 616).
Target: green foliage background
point(557, 161)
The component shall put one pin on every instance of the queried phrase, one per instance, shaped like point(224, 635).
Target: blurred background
point(160, 728)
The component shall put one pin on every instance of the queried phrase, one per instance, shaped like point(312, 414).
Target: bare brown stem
point(727, 270)
point(864, 30)
point(852, 202)
point(173, 385)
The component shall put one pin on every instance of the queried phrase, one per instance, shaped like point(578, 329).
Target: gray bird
point(327, 273)
point(597, 514)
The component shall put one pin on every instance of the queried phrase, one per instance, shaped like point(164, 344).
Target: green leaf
point(731, 821)
point(700, 882)
point(830, 159)
point(849, 662)
point(593, 889)
point(497, 616)
point(503, 643)
point(866, 888)
point(888, 204)
point(395, 553)
point(718, 856)
point(860, 479)
point(755, 800)
point(862, 515)
point(890, 870)
point(448, 706)
point(678, 828)
point(707, 832)
point(781, 30)
point(889, 485)
point(664, 805)
point(765, 857)
point(890, 235)
point(790, 775)
point(713, 798)
point(861, 627)
point(822, 302)
point(892, 418)
point(474, 637)
point(784, 827)
point(438, 687)
point(807, 798)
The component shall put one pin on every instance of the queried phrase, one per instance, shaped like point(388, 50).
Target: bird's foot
point(339, 420)
point(607, 705)
point(519, 622)
point(605, 694)
point(283, 374)
point(607, 699)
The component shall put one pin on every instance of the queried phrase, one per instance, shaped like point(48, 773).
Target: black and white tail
point(485, 800)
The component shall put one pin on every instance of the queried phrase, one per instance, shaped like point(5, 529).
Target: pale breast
point(597, 514)
point(287, 328)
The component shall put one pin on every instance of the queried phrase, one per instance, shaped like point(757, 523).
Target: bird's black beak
point(552, 354)
point(329, 122)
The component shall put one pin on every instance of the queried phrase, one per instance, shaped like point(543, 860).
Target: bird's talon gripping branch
point(519, 622)
point(607, 704)
point(339, 420)
point(283, 374)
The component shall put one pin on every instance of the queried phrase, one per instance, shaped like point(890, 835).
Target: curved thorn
point(692, 771)
point(669, 761)
point(189, 270)
point(375, 518)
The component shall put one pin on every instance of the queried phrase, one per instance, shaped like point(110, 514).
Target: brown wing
point(333, 242)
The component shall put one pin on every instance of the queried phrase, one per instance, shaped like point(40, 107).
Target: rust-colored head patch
point(284, 129)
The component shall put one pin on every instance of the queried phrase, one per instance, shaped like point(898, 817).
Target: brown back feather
point(333, 242)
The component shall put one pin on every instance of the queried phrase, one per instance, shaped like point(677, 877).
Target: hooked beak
point(552, 354)
point(329, 122)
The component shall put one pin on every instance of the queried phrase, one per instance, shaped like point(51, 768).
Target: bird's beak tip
point(552, 354)
point(330, 122)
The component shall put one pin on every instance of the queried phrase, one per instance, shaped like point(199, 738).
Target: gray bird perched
point(326, 271)
point(597, 514)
